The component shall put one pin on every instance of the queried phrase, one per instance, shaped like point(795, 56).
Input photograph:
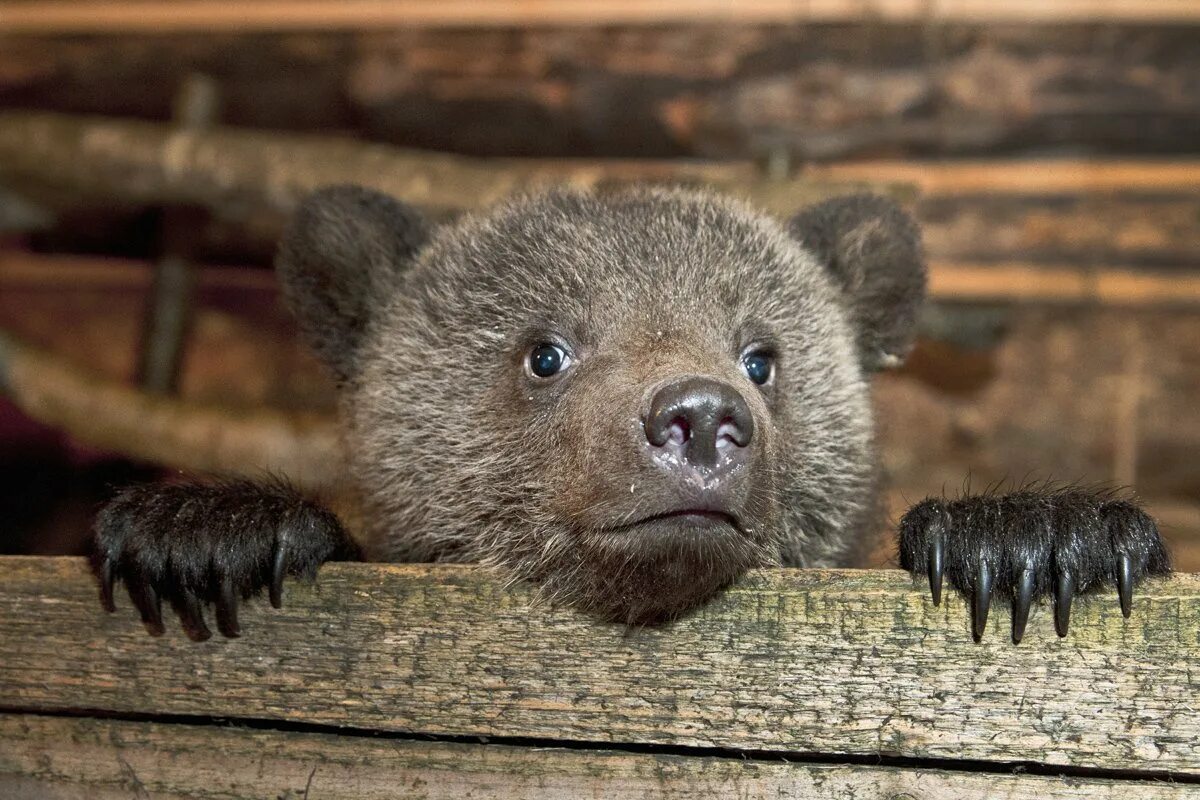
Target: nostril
point(729, 435)
point(679, 431)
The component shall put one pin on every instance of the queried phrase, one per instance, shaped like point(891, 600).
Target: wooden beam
point(67, 272)
point(949, 281)
point(147, 162)
point(1018, 282)
point(114, 416)
point(66, 16)
point(716, 90)
point(788, 662)
point(243, 170)
point(52, 757)
point(1145, 229)
point(1023, 176)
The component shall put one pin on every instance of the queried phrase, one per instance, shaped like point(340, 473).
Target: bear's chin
point(653, 571)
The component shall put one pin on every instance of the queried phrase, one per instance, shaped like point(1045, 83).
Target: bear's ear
point(341, 258)
point(872, 248)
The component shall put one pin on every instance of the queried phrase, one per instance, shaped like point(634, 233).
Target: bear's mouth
point(696, 519)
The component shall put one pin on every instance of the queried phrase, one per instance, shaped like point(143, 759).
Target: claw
point(1022, 599)
point(1125, 582)
point(148, 603)
point(277, 571)
point(937, 556)
point(1063, 592)
point(227, 620)
point(983, 598)
point(193, 618)
point(108, 572)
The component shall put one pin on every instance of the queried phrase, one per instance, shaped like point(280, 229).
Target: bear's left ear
point(872, 248)
point(340, 260)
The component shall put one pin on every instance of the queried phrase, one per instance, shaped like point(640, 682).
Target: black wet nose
point(702, 421)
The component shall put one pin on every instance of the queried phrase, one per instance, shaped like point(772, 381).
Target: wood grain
point(824, 92)
point(789, 661)
point(1027, 282)
point(241, 171)
point(1027, 176)
point(114, 416)
point(45, 757)
point(245, 170)
point(1096, 227)
point(61, 16)
point(950, 281)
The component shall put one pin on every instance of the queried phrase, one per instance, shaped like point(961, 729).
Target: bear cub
point(627, 398)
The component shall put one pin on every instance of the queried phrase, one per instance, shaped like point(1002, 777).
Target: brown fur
point(462, 456)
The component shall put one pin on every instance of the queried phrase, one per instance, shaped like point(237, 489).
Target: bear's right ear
point(872, 248)
point(340, 258)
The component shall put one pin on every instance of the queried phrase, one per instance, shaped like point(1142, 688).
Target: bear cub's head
point(630, 398)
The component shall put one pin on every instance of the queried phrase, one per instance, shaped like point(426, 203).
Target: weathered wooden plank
point(65, 272)
point(949, 281)
point(47, 757)
point(115, 416)
point(725, 91)
point(1026, 177)
point(1028, 282)
point(61, 16)
point(790, 661)
point(1097, 226)
point(242, 171)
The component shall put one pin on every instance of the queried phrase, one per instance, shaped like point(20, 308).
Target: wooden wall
point(829, 91)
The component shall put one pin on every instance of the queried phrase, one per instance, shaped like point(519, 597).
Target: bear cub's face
point(630, 399)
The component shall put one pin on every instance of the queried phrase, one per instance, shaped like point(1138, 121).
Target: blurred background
point(150, 149)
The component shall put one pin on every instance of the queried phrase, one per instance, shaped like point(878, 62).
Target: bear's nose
point(700, 421)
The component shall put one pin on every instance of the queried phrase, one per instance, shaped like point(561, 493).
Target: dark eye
point(547, 360)
point(758, 366)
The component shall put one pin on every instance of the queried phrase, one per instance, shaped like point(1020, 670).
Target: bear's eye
point(547, 360)
point(758, 366)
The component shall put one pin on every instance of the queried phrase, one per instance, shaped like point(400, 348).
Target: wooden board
point(50, 758)
point(239, 172)
point(1028, 282)
point(788, 662)
point(949, 281)
point(728, 91)
point(64, 16)
point(1027, 177)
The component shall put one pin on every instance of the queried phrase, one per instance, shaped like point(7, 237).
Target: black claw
point(227, 620)
point(1125, 582)
point(1022, 599)
point(196, 544)
point(937, 557)
point(1064, 591)
point(155, 606)
point(983, 598)
point(148, 604)
point(108, 573)
point(193, 618)
point(277, 571)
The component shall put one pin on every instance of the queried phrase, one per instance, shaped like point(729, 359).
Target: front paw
point(195, 544)
point(1031, 544)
